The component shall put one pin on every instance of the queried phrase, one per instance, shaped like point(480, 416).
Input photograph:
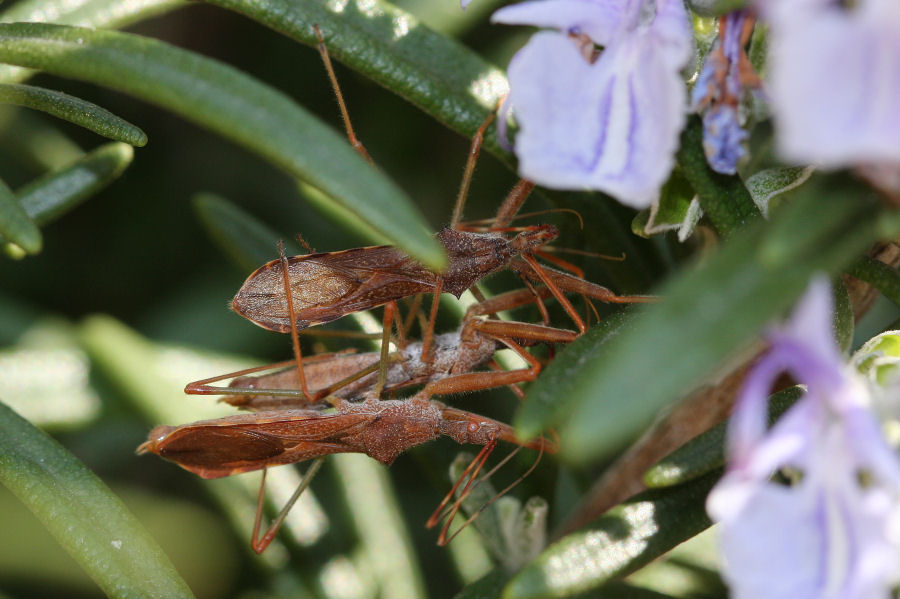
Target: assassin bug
point(381, 429)
point(451, 370)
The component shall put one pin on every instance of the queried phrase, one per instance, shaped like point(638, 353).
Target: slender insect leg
point(429, 330)
point(512, 202)
point(571, 284)
point(474, 150)
point(542, 307)
point(295, 339)
point(493, 365)
point(301, 241)
point(389, 309)
point(345, 115)
point(398, 322)
point(554, 289)
point(411, 317)
point(504, 332)
point(259, 544)
point(506, 301)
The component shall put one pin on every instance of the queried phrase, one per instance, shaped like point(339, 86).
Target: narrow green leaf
point(16, 225)
point(879, 275)
point(724, 199)
point(619, 542)
point(75, 110)
point(549, 397)
point(436, 73)
point(86, 13)
point(844, 323)
point(47, 198)
point(486, 587)
point(706, 452)
point(84, 516)
point(340, 215)
point(615, 391)
point(383, 533)
point(234, 105)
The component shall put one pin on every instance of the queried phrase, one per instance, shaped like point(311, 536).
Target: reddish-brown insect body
point(326, 286)
point(381, 429)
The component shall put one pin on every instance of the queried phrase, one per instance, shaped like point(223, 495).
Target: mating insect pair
point(287, 294)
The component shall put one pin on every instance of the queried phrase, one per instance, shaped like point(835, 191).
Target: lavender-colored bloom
point(832, 532)
point(835, 80)
point(607, 122)
point(723, 138)
point(719, 91)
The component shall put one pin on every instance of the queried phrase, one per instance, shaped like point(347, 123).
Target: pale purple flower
point(831, 532)
point(609, 121)
point(719, 90)
point(835, 80)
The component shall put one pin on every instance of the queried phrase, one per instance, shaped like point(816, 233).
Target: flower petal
point(747, 425)
point(788, 443)
point(808, 338)
point(835, 83)
point(672, 29)
point(822, 538)
point(769, 546)
point(556, 96)
point(598, 19)
point(611, 126)
point(647, 104)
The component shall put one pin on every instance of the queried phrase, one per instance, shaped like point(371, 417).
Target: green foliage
point(757, 275)
point(230, 103)
point(83, 515)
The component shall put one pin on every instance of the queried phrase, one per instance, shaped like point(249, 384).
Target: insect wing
point(246, 442)
point(326, 286)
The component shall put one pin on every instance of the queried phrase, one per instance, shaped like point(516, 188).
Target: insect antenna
point(558, 250)
point(488, 224)
point(302, 242)
point(258, 543)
